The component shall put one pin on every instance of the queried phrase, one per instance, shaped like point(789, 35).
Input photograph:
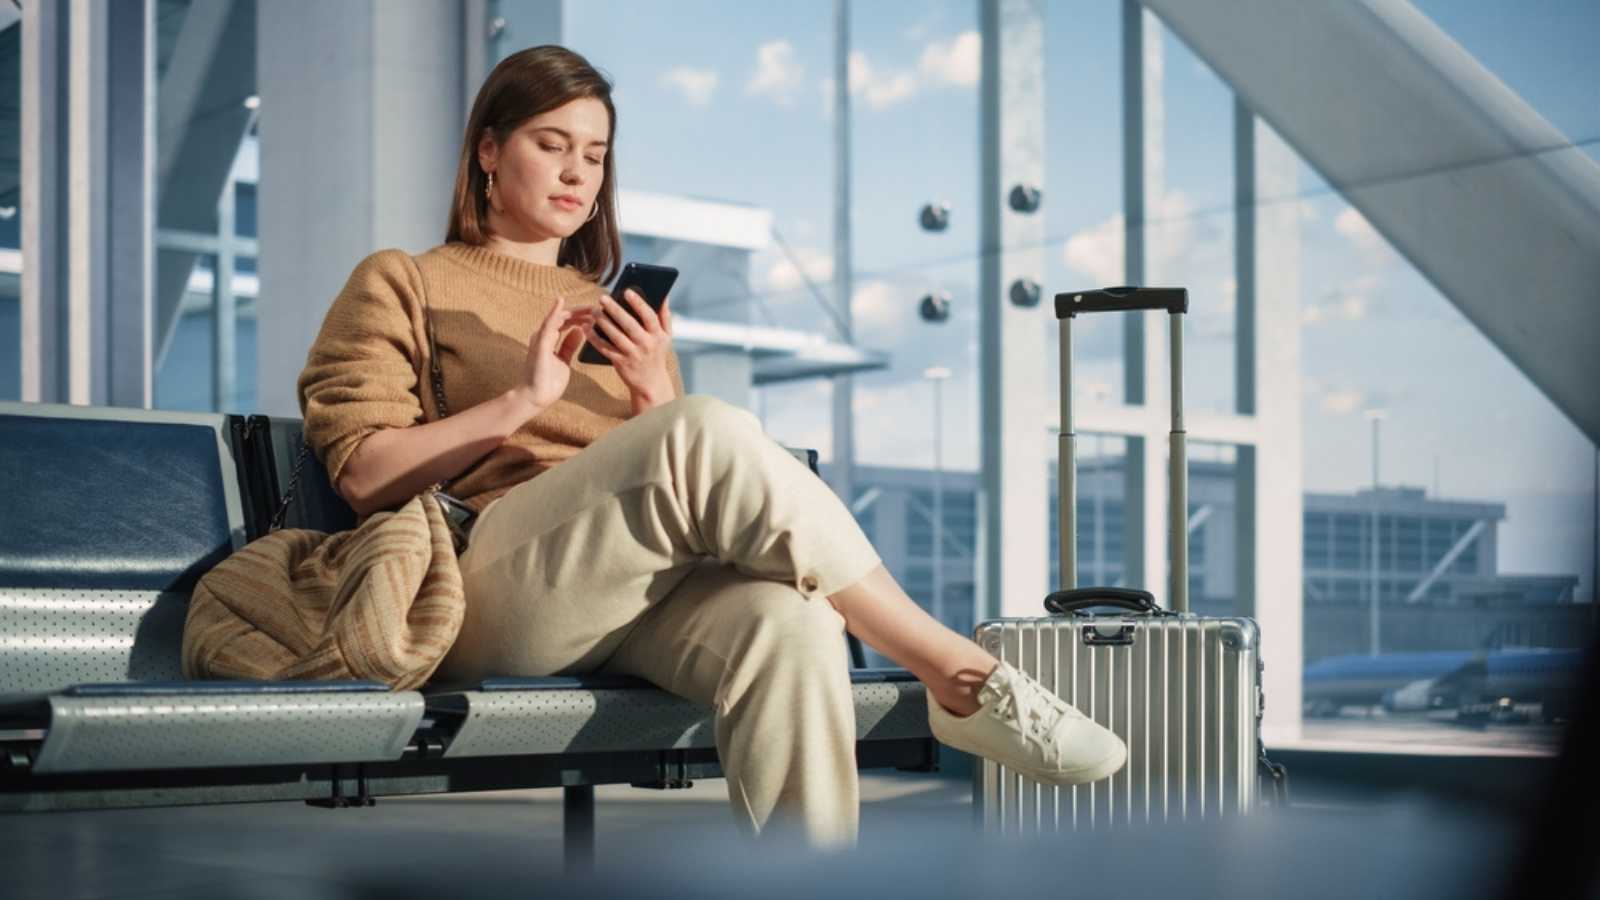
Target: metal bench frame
point(98, 762)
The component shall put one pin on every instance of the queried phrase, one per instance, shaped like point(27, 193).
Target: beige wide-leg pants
point(688, 548)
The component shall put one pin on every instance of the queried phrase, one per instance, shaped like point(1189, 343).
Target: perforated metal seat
point(510, 716)
point(115, 515)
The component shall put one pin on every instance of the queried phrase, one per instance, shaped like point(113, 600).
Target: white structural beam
point(359, 143)
point(1269, 480)
point(1482, 195)
point(1014, 475)
point(87, 202)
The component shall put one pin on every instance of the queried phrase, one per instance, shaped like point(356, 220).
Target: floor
point(293, 850)
point(918, 840)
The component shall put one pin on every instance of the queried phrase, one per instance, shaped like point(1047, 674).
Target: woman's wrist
point(520, 406)
point(650, 397)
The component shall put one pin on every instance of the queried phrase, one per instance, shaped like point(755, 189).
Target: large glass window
point(1392, 368)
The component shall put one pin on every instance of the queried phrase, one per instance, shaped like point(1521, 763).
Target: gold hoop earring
point(488, 189)
point(593, 211)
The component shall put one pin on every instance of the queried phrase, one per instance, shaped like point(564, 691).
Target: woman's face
point(548, 172)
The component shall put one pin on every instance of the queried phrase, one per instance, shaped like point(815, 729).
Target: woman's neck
point(526, 244)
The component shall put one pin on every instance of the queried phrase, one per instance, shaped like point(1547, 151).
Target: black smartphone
point(652, 283)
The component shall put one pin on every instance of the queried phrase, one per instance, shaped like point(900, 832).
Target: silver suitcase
point(1183, 691)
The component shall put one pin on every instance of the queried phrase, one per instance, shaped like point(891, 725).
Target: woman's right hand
point(550, 352)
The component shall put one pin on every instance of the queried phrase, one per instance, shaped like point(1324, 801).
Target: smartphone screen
point(651, 282)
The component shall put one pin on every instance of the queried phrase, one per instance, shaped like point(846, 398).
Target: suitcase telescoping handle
point(1123, 299)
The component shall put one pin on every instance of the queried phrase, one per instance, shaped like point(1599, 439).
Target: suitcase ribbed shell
point(1182, 690)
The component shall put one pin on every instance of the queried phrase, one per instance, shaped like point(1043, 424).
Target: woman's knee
point(705, 412)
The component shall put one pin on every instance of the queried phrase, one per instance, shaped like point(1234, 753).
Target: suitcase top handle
point(1122, 299)
point(1074, 602)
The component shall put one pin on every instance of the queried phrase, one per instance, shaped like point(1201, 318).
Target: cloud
point(1355, 228)
point(878, 306)
point(956, 62)
point(879, 89)
point(1349, 301)
point(696, 85)
point(1348, 399)
point(784, 275)
point(1097, 251)
point(1344, 401)
point(778, 75)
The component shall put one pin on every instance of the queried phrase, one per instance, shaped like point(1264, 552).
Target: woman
point(668, 537)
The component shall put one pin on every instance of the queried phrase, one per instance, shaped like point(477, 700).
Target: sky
point(748, 119)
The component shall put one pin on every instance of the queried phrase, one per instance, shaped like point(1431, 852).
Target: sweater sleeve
point(361, 372)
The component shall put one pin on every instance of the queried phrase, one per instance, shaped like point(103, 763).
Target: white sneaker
point(1025, 727)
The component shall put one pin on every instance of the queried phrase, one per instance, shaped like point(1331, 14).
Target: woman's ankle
point(958, 691)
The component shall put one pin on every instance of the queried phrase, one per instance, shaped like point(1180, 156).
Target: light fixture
point(1025, 292)
point(1025, 198)
point(935, 216)
point(252, 102)
point(935, 307)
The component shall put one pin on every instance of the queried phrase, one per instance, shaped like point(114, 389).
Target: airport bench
point(111, 517)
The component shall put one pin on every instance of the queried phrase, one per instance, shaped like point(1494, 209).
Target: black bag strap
point(436, 376)
point(436, 373)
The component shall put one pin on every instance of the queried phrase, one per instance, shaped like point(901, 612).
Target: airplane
point(1475, 683)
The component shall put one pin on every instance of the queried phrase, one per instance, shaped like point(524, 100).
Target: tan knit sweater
point(369, 368)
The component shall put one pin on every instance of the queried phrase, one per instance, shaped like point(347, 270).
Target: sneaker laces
point(1033, 709)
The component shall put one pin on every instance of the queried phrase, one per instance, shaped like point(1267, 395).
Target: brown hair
point(526, 84)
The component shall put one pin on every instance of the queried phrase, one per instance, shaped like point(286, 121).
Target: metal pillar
point(1142, 360)
point(87, 201)
point(44, 377)
point(1012, 350)
point(130, 212)
point(844, 424)
point(577, 827)
point(224, 358)
point(1377, 579)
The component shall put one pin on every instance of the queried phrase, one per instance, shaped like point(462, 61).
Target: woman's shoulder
point(392, 267)
point(387, 280)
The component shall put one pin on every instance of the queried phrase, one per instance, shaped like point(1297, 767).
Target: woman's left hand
point(638, 348)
